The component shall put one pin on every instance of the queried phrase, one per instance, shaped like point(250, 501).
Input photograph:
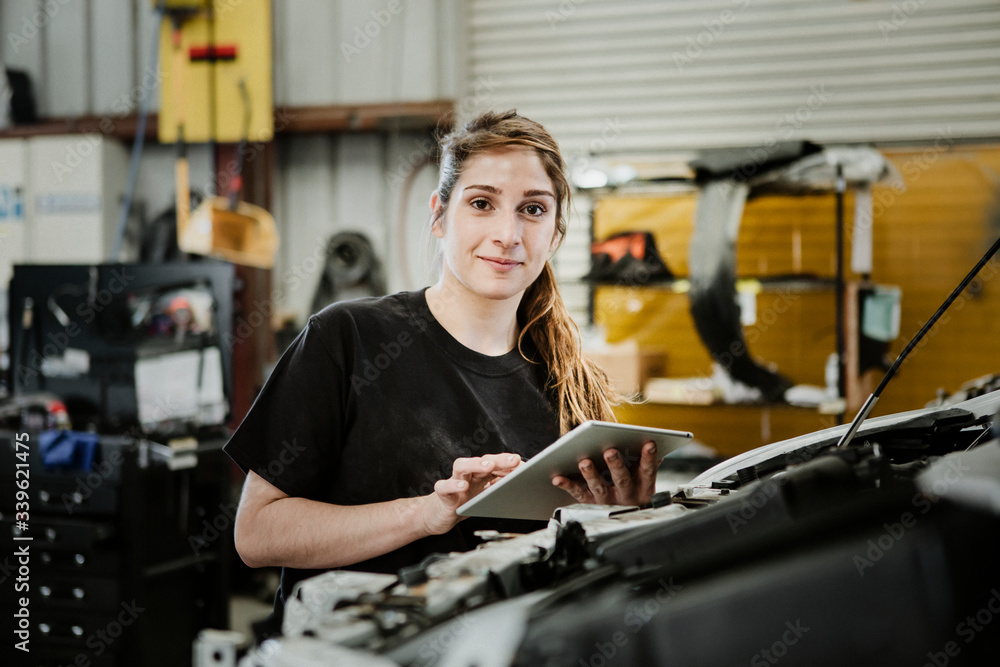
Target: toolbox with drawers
point(127, 560)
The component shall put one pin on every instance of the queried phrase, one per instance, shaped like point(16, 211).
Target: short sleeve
point(293, 433)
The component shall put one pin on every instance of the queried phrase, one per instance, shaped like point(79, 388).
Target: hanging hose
point(140, 138)
point(241, 149)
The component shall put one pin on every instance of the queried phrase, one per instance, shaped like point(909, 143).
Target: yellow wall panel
point(187, 91)
point(671, 224)
point(927, 236)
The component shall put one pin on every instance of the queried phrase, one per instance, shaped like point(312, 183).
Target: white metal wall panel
point(304, 74)
point(82, 55)
point(325, 184)
point(305, 214)
point(73, 186)
point(385, 56)
point(363, 51)
point(328, 184)
point(88, 56)
point(690, 74)
point(67, 58)
point(22, 27)
point(362, 204)
point(146, 77)
point(113, 66)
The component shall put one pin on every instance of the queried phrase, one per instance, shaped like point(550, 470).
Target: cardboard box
point(682, 391)
point(628, 366)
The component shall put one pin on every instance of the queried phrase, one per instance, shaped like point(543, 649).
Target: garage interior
point(769, 201)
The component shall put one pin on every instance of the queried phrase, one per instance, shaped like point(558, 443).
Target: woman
point(385, 415)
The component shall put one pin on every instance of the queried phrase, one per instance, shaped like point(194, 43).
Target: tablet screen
point(527, 493)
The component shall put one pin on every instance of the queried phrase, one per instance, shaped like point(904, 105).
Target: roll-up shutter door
point(650, 79)
point(686, 74)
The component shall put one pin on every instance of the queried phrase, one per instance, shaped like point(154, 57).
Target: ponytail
point(580, 389)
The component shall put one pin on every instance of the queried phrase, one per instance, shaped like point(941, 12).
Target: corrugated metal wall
point(326, 184)
point(689, 74)
point(340, 53)
point(90, 56)
point(651, 78)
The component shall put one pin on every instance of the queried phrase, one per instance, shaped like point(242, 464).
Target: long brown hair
point(579, 389)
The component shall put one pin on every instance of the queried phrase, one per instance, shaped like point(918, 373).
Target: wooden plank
point(287, 120)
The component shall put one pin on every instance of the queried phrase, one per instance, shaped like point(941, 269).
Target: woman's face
point(500, 225)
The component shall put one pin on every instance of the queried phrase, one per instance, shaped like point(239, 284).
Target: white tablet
point(527, 493)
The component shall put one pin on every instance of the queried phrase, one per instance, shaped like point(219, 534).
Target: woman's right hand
point(469, 477)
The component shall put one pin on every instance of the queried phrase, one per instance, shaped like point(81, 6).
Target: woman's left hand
point(617, 485)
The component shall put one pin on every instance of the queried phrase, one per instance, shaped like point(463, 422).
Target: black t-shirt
point(373, 401)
